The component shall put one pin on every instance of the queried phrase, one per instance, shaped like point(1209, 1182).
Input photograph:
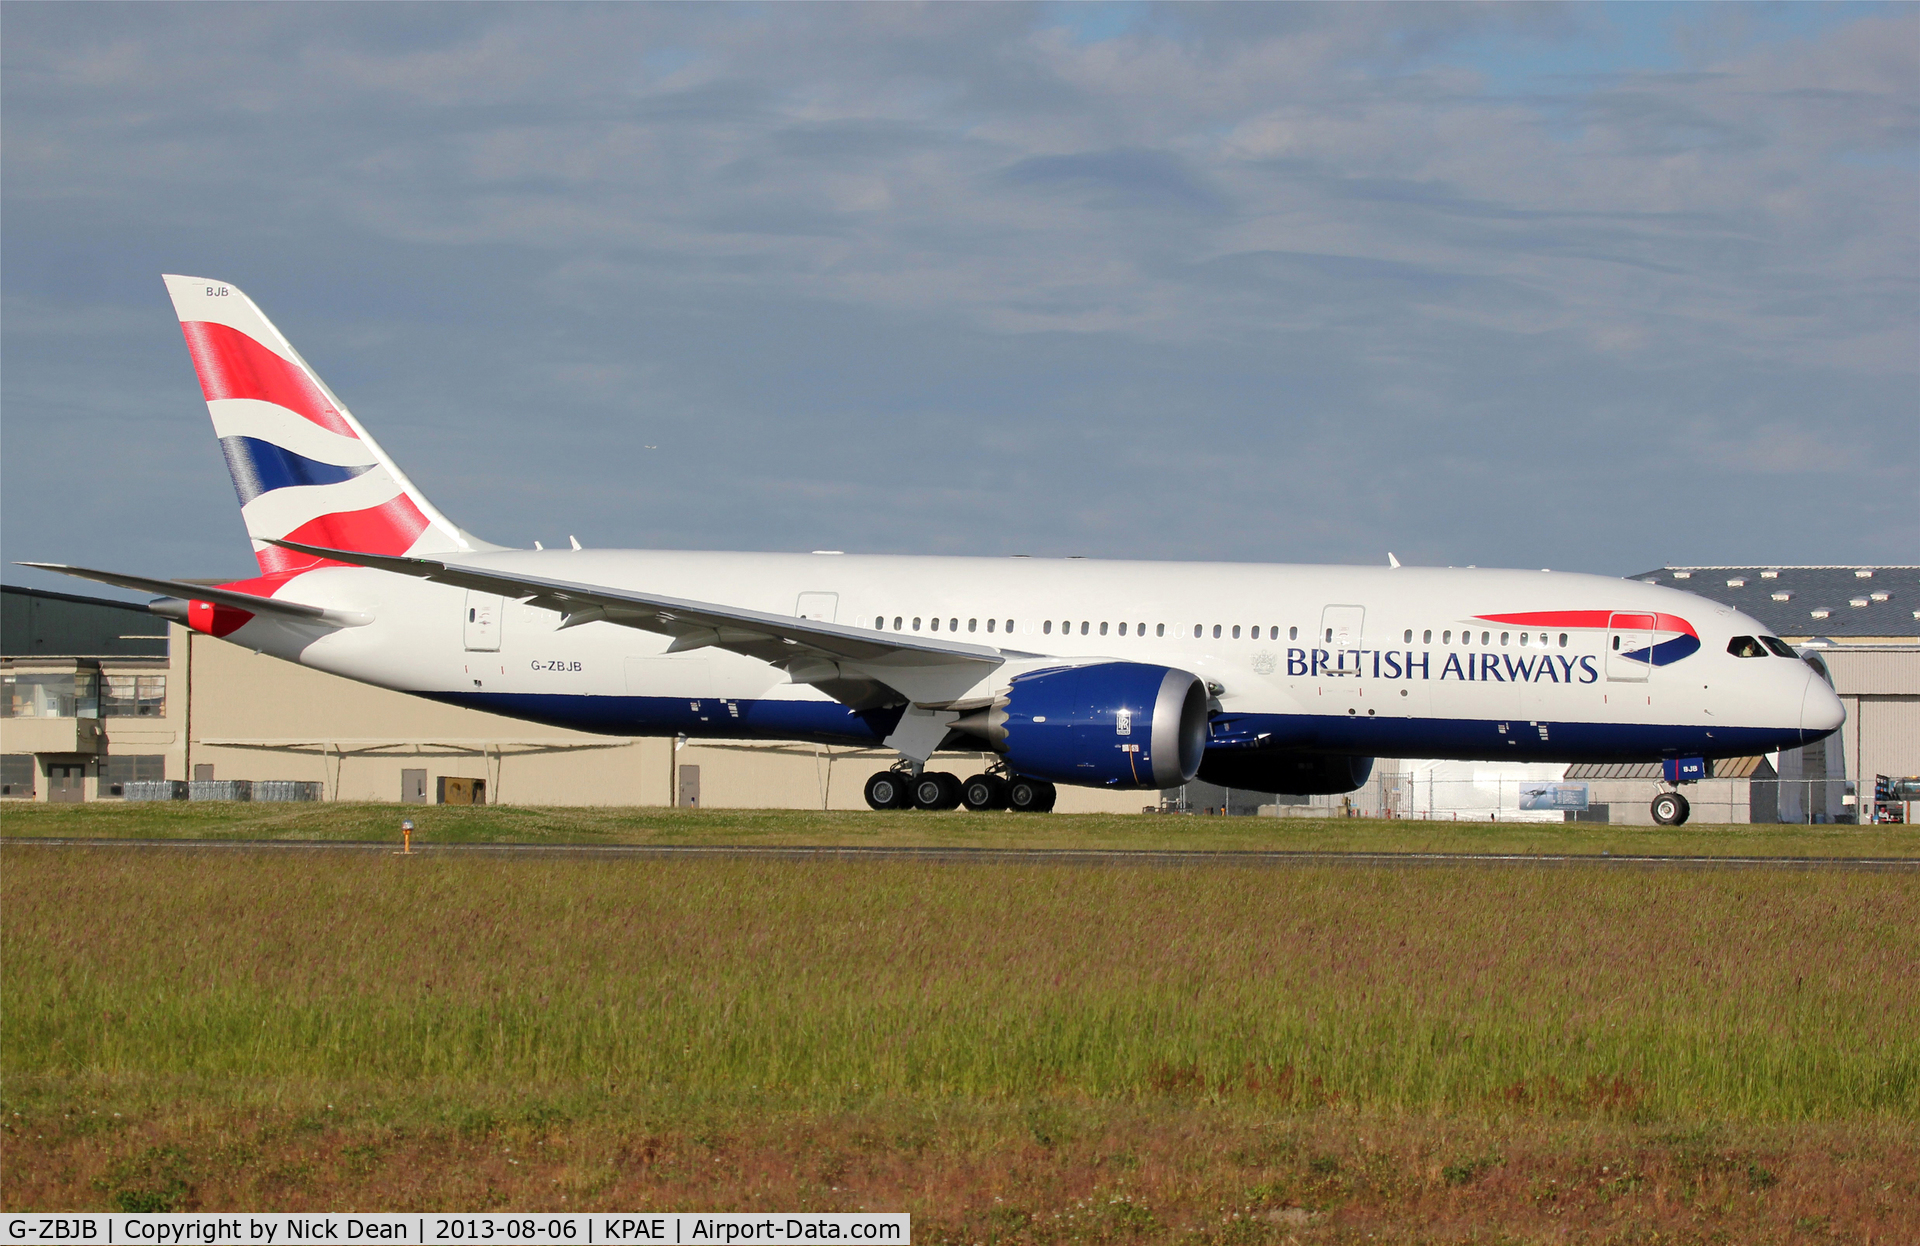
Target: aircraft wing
point(851, 664)
point(250, 602)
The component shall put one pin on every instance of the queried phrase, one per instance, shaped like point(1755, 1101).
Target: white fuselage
point(1399, 661)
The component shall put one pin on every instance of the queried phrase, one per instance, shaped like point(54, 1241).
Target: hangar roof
point(1841, 602)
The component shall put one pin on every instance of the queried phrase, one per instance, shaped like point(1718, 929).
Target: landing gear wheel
point(888, 790)
point(1670, 809)
point(1031, 796)
point(983, 792)
point(935, 791)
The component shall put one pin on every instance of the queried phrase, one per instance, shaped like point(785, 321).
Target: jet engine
point(1286, 774)
point(1113, 724)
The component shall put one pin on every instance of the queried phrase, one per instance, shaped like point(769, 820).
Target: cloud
point(1246, 282)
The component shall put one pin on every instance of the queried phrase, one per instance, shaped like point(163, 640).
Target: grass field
point(1011, 1053)
point(518, 824)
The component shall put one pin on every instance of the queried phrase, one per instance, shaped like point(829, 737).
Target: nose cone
point(1821, 712)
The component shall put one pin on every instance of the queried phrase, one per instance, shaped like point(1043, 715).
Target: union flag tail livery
point(1271, 678)
point(303, 467)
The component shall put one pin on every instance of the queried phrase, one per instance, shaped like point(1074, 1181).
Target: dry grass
point(1542, 1054)
point(529, 824)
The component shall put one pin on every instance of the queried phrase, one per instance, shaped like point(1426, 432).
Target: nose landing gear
point(1670, 809)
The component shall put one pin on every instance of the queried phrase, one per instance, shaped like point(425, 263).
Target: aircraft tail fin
point(304, 469)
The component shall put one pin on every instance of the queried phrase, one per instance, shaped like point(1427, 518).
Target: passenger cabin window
point(1503, 638)
point(1426, 637)
point(953, 625)
point(1408, 638)
point(1160, 629)
point(1523, 637)
point(1746, 647)
point(1196, 631)
point(933, 624)
point(1046, 629)
point(896, 622)
point(916, 622)
point(1216, 631)
point(1485, 636)
point(1293, 633)
point(1236, 631)
point(1084, 625)
point(1563, 640)
point(1123, 629)
point(1009, 624)
point(1103, 629)
point(879, 622)
point(990, 623)
point(973, 625)
point(1446, 638)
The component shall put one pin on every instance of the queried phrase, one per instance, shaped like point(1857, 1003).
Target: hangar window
point(1746, 647)
point(1216, 631)
point(1408, 638)
point(133, 696)
point(16, 774)
point(1103, 629)
point(117, 772)
point(1160, 629)
point(1426, 637)
point(1084, 625)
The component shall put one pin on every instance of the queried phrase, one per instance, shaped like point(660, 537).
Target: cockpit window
point(1746, 647)
point(1781, 649)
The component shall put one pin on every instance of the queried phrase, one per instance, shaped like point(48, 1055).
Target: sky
point(1593, 288)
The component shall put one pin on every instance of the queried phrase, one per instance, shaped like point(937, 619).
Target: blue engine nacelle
point(1115, 724)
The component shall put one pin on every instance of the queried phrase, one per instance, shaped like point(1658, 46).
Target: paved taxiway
point(990, 856)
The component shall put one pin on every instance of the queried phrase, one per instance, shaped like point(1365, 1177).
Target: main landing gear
point(1670, 809)
point(934, 790)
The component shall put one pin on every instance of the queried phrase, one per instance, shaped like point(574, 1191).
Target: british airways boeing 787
point(1286, 679)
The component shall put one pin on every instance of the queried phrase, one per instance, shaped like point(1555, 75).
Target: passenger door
point(483, 622)
point(1340, 635)
point(818, 606)
point(1629, 634)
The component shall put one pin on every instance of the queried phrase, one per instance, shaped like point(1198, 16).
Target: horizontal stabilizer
point(218, 596)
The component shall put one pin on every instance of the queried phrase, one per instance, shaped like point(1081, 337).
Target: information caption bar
point(179, 1228)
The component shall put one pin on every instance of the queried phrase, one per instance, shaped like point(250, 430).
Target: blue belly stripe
point(824, 722)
